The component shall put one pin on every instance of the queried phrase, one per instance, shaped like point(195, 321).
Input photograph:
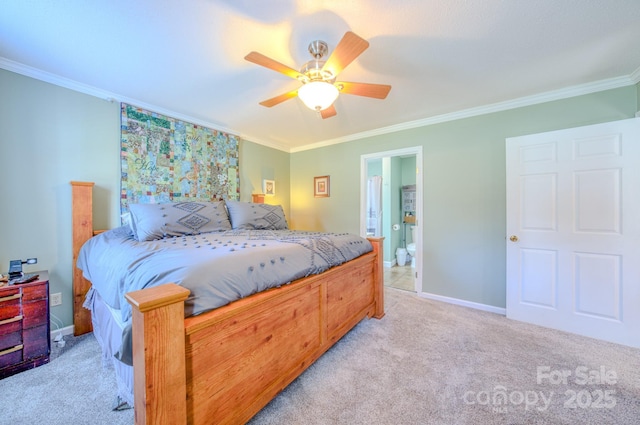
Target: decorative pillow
point(155, 221)
point(246, 215)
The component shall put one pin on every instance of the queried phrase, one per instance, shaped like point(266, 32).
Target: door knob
point(513, 238)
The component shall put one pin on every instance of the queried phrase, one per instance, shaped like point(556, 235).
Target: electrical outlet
point(55, 299)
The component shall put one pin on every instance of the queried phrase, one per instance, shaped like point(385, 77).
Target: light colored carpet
point(72, 388)
point(425, 362)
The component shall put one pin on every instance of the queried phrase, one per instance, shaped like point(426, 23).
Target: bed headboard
point(82, 231)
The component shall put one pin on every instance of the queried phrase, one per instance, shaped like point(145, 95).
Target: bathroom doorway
point(391, 218)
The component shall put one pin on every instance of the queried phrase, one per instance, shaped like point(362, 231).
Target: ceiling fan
point(319, 88)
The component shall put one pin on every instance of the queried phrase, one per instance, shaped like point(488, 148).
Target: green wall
point(374, 167)
point(50, 136)
point(464, 197)
point(258, 162)
point(408, 171)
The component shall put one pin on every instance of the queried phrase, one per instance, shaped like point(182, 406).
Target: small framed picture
point(269, 187)
point(321, 187)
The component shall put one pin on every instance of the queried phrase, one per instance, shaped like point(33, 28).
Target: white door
point(573, 230)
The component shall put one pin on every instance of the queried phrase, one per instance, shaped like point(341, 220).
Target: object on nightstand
point(24, 278)
point(15, 266)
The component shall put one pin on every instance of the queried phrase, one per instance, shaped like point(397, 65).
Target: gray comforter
point(217, 267)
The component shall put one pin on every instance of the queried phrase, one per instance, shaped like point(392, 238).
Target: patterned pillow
point(246, 215)
point(155, 221)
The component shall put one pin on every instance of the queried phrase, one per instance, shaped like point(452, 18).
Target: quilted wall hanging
point(167, 160)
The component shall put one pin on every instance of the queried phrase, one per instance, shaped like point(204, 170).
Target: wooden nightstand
point(24, 325)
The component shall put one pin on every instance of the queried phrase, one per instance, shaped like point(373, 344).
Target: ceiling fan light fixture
point(318, 95)
point(319, 89)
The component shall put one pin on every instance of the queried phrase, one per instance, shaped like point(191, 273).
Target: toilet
point(411, 248)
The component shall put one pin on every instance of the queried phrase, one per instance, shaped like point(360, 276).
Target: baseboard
point(389, 264)
point(67, 330)
point(464, 303)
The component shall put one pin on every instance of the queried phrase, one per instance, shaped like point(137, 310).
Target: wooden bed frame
point(224, 366)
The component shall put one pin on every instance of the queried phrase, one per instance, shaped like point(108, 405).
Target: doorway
point(394, 227)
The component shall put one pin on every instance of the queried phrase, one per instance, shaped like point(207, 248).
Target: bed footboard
point(158, 354)
point(237, 358)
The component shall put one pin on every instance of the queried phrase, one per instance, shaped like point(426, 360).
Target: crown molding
point(266, 143)
point(57, 80)
point(565, 93)
point(67, 83)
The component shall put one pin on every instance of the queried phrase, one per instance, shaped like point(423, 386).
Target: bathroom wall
point(408, 168)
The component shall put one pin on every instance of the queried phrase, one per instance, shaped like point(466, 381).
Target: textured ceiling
point(440, 56)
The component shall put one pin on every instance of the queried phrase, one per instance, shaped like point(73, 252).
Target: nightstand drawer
point(7, 292)
point(36, 342)
point(10, 356)
point(34, 293)
point(11, 339)
point(35, 313)
point(8, 326)
point(10, 304)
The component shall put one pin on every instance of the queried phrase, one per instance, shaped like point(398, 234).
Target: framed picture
point(269, 187)
point(321, 187)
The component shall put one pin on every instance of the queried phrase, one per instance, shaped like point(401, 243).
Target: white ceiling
point(185, 58)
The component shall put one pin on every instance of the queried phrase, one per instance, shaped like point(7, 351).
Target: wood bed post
point(82, 225)
point(378, 276)
point(159, 365)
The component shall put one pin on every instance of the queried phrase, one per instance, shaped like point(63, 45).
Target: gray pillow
point(246, 215)
point(155, 221)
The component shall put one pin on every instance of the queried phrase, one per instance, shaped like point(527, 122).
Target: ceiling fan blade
point(328, 113)
point(349, 48)
point(279, 99)
point(378, 91)
point(262, 60)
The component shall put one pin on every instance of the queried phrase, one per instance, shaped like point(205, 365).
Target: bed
point(223, 365)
